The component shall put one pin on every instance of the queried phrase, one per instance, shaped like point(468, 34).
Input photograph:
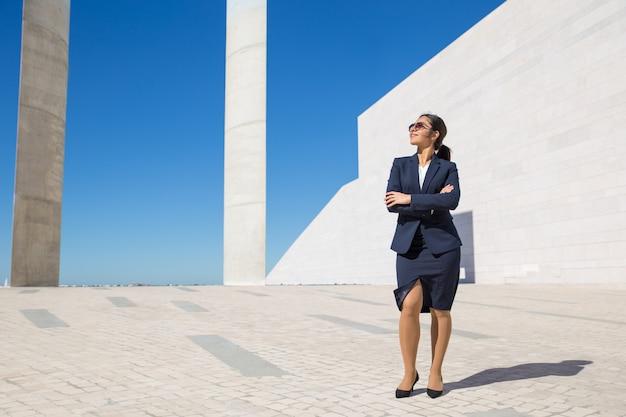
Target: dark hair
point(437, 124)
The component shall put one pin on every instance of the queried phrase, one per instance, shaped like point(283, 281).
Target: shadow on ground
point(514, 373)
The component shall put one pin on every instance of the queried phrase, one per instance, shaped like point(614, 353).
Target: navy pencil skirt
point(438, 275)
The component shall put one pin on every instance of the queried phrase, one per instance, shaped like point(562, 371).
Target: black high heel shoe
point(400, 393)
point(433, 393)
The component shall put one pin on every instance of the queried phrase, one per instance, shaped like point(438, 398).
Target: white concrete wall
point(534, 97)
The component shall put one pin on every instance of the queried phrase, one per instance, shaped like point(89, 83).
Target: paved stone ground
point(306, 351)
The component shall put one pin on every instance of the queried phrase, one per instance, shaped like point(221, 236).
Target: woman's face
point(421, 133)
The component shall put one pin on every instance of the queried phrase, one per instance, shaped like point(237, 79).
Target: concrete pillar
point(244, 143)
point(40, 143)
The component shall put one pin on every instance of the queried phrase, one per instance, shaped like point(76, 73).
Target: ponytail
point(444, 152)
point(438, 125)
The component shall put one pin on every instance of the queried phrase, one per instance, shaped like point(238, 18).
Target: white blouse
point(422, 173)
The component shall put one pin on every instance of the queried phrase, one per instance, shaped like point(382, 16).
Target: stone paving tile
point(519, 351)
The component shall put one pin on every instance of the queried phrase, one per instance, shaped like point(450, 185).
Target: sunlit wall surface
point(534, 97)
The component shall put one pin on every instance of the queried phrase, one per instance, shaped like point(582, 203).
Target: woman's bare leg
point(409, 331)
point(440, 331)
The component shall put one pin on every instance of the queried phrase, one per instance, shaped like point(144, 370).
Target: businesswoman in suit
point(422, 189)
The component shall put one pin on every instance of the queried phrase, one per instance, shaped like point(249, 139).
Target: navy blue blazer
point(428, 210)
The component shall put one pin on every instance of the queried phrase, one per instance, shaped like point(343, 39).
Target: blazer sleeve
point(445, 201)
point(422, 205)
point(395, 184)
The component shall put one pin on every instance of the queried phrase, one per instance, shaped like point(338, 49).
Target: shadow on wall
point(465, 226)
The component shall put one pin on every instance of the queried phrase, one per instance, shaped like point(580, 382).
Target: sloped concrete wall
point(534, 97)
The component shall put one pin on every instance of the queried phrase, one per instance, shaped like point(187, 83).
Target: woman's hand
point(448, 188)
point(393, 198)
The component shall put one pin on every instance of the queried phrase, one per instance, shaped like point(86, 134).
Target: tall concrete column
point(244, 143)
point(40, 143)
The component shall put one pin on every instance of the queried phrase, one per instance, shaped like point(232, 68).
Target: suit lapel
point(431, 172)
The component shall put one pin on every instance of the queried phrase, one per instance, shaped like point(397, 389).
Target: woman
point(422, 189)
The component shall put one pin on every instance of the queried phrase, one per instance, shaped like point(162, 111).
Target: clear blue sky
point(143, 188)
